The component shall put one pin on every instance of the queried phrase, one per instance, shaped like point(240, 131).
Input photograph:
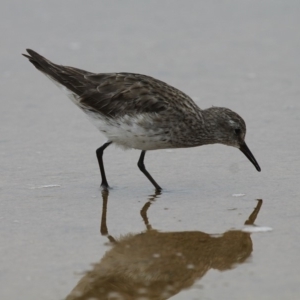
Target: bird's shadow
point(158, 265)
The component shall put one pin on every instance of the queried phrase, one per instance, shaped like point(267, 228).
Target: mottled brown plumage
point(141, 112)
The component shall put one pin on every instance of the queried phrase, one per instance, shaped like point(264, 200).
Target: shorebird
point(141, 112)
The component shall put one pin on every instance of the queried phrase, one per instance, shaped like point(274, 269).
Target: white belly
point(136, 132)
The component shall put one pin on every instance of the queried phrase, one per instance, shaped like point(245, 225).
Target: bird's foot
point(105, 187)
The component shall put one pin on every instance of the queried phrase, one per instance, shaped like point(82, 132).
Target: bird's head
point(228, 128)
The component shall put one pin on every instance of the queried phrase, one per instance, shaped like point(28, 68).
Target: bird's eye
point(237, 131)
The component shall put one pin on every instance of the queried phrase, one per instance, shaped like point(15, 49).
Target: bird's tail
point(72, 78)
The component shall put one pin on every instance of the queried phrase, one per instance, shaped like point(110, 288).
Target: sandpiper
point(141, 112)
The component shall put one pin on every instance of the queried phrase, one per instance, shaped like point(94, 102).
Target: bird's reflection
point(158, 265)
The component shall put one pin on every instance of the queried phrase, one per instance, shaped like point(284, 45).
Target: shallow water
point(189, 242)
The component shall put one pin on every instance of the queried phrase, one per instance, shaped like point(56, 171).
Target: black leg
point(143, 169)
point(99, 153)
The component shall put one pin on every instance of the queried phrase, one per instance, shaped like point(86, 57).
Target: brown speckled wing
point(116, 94)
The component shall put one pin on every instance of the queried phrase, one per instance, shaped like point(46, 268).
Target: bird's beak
point(244, 148)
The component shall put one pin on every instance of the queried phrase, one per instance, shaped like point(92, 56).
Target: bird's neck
point(211, 130)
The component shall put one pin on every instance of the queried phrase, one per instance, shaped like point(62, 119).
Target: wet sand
point(241, 55)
